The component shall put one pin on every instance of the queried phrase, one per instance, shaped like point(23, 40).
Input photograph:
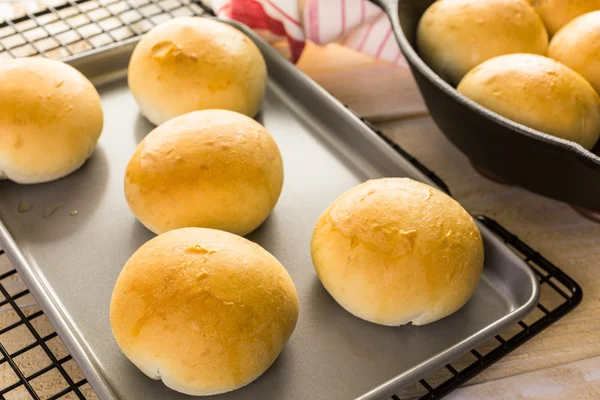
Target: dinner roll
point(394, 251)
point(211, 169)
point(453, 36)
point(50, 119)
point(204, 310)
point(557, 13)
point(577, 45)
point(537, 92)
point(192, 63)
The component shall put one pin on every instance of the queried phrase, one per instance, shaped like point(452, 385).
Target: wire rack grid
point(74, 26)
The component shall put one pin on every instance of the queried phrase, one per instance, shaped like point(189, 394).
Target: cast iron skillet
point(512, 152)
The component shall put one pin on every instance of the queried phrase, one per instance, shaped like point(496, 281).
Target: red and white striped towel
point(357, 24)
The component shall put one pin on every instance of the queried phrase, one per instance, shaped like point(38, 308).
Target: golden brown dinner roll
point(557, 13)
point(453, 36)
point(394, 251)
point(193, 63)
point(537, 92)
point(212, 169)
point(577, 45)
point(50, 119)
point(204, 310)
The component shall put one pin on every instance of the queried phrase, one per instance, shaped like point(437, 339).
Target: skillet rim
point(575, 150)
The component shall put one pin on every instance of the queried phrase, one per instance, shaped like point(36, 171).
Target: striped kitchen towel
point(358, 24)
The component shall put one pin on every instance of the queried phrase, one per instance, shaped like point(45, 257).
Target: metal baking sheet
point(71, 262)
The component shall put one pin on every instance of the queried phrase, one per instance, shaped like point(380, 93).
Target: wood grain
point(578, 380)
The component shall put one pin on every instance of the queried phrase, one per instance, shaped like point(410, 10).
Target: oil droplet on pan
point(25, 206)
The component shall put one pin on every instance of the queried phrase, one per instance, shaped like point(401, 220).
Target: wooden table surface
point(563, 362)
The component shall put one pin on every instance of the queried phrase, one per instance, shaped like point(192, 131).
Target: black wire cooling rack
point(76, 26)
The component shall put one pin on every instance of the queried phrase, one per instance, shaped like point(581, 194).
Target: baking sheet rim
point(72, 338)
